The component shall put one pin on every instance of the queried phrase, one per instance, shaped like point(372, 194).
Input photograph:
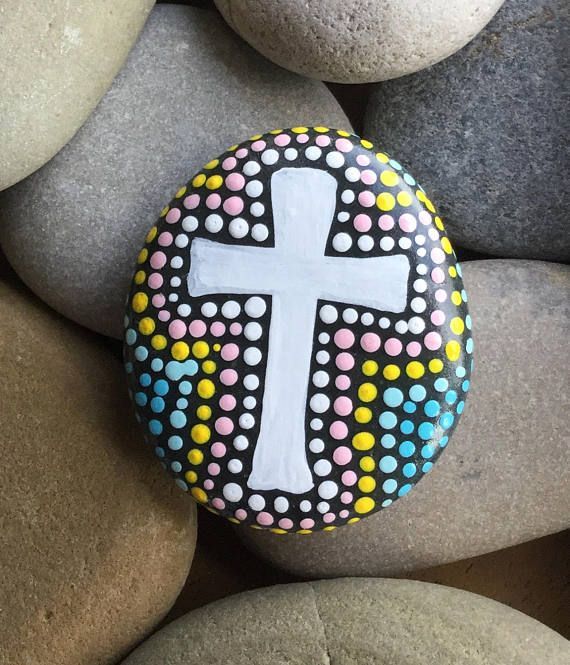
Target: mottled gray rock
point(190, 89)
point(354, 622)
point(485, 132)
point(57, 60)
point(357, 41)
point(505, 477)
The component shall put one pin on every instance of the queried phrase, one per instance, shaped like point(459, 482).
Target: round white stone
point(190, 223)
point(323, 507)
point(328, 314)
point(324, 338)
point(256, 502)
point(235, 466)
point(255, 307)
point(259, 232)
point(401, 327)
point(352, 174)
point(367, 319)
point(342, 242)
point(322, 468)
point(347, 196)
point(281, 504)
point(343, 216)
point(319, 403)
point(270, 156)
point(313, 152)
point(321, 379)
point(184, 310)
point(405, 243)
point(232, 492)
point(416, 325)
point(305, 506)
point(365, 243)
point(249, 402)
point(421, 269)
point(181, 240)
point(251, 168)
point(317, 446)
point(175, 281)
point(173, 297)
point(420, 285)
point(246, 421)
point(238, 228)
point(323, 357)
point(209, 309)
point(420, 239)
point(290, 154)
point(418, 305)
point(252, 356)
point(387, 243)
point(257, 209)
point(214, 223)
point(328, 489)
point(316, 424)
point(251, 382)
point(231, 309)
point(252, 331)
point(241, 442)
point(176, 262)
point(254, 188)
point(422, 251)
point(335, 159)
point(350, 315)
point(384, 322)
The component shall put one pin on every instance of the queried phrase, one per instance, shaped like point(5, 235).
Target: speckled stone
point(485, 133)
point(58, 59)
point(190, 89)
point(504, 478)
point(357, 41)
point(95, 544)
point(354, 622)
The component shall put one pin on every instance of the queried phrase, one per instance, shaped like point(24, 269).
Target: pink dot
point(362, 160)
point(342, 455)
point(158, 260)
point(233, 205)
point(368, 177)
point(228, 377)
point(282, 140)
point(437, 275)
point(362, 223)
point(218, 449)
point(346, 497)
point(155, 281)
point(424, 217)
point(208, 484)
point(230, 352)
point(344, 361)
point(258, 146)
point(437, 317)
point(302, 138)
point(338, 430)
point(177, 329)
point(229, 163)
point(328, 518)
point(366, 199)
point(236, 328)
point(407, 223)
point(165, 239)
point(197, 328)
point(265, 519)
point(285, 523)
point(214, 469)
point(348, 478)
point(192, 201)
point(307, 523)
point(323, 141)
point(224, 425)
point(164, 315)
point(413, 349)
point(342, 406)
point(343, 514)
point(437, 255)
point(432, 341)
point(227, 402)
point(235, 182)
point(218, 503)
point(241, 153)
point(344, 145)
point(370, 342)
point(213, 201)
point(158, 300)
point(173, 215)
point(217, 328)
point(342, 382)
point(393, 346)
point(344, 338)
point(386, 222)
point(240, 514)
point(440, 295)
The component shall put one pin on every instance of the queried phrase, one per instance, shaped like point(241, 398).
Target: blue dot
point(181, 484)
point(393, 397)
point(465, 386)
point(155, 427)
point(176, 467)
point(156, 365)
point(464, 295)
point(145, 380)
point(389, 486)
point(409, 180)
point(395, 165)
point(128, 367)
point(426, 431)
point(451, 397)
point(409, 470)
point(459, 269)
point(141, 353)
point(181, 403)
point(468, 322)
point(175, 442)
point(388, 420)
point(431, 408)
point(446, 420)
point(177, 419)
point(388, 440)
point(125, 321)
point(404, 489)
point(427, 451)
point(417, 393)
point(410, 407)
point(386, 503)
point(443, 441)
point(460, 406)
point(130, 336)
point(407, 427)
point(407, 449)
point(157, 404)
point(141, 399)
point(469, 345)
point(185, 387)
point(159, 452)
point(161, 387)
point(441, 385)
point(427, 467)
point(388, 464)
point(460, 371)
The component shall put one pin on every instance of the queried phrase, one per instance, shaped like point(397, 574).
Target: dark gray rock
point(484, 131)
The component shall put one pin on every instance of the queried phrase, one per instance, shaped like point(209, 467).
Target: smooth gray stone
point(354, 622)
point(486, 132)
point(190, 89)
point(504, 478)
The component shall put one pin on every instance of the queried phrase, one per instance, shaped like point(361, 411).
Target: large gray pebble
point(485, 132)
point(190, 89)
point(357, 41)
point(57, 59)
point(354, 622)
point(505, 477)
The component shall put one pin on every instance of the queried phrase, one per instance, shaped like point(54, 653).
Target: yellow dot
point(420, 195)
point(321, 130)
point(301, 532)
point(233, 148)
point(439, 223)
point(452, 271)
point(364, 505)
point(140, 276)
point(146, 326)
point(180, 351)
point(370, 367)
point(180, 193)
point(204, 412)
point(255, 137)
point(385, 201)
point(329, 528)
point(199, 494)
point(391, 372)
point(150, 236)
point(200, 433)
point(353, 520)
point(198, 180)
point(164, 211)
point(342, 132)
point(367, 464)
point(191, 476)
point(456, 298)
point(446, 245)
point(158, 342)
point(195, 456)
point(363, 441)
point(276, 131)
point(216, 347)
point(206, 388)
point(435, 366)
point(429, 205)
point(363, 415)
point(389, 178)
point(367, 392)
point(140, 302)
point(143, 255)
point(278, 531)
point(214, 182)
point(366, 144)
point(367, 484)
point(209, 366)
point(404, 199)
point(200, 349)
point(233, 520)
point(415, 370)
point(452, 350)
point(457, 326)
point(299, 130)
point(383, 158)
point(212, 164)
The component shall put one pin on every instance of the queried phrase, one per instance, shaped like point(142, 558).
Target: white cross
point(296, 273)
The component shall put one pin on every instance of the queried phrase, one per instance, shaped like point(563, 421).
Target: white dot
point(253, 331)
point(367, 319)
point(305, 506)
point(256, 502)
point(420, 239)
point(387, 243)
point(255, 307)
point(231, 309)
point(176, 262)
point(342, 242)
point(317, 446)
point(418, 305)
point(251, 168)
point(324, 338)
point(259, 232)
point(175, 281)
point(290, 154)
point(352, 174)
point(328, 489)
point(270, 156)
point(405, 243)
point(323, 467)
point(323, 507)
point(421, 269)
point(190, 223)
point(347, 196)
point(184, 310)
point(322, 357)
point(328, 314)
point(252, 356)
point(173, 297)
point(420, 285)
point(251, 382)
point(335, 159)
point(214, 223)
point(422, 251)
point(209, 309)
point(350, 315)
point(254, 188)
point(320, 379)
point(235, 466)
point(384, 322)
point(319, 403)
point(249, 402)
point(246, 421)
point(181, 240)
point(313, 152)
point(232, 492)
point(316, 424)
point(416, 325)
point(257, 209)
point(433, 234)
point(238, 228)
point(241, 442)
point(281, 504)
point(365, 243)
point(343, 216)
point(401, 327)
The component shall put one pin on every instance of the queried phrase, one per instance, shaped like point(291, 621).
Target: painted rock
point(297, 336)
